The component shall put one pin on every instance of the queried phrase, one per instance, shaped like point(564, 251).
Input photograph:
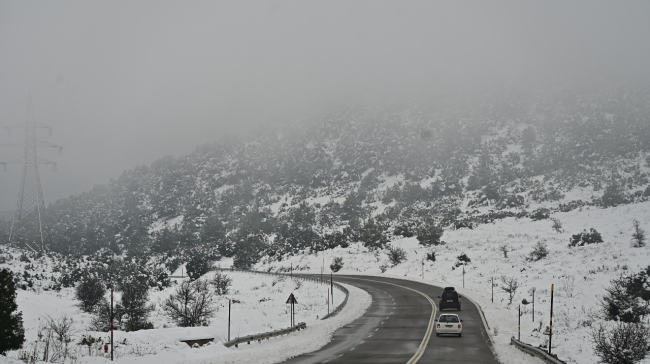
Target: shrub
point(540, 251)
point(429, 233)
point(396, 255)
point(12, 333)
point(557, 225)
point(504, 249)
point(90, 292)
point(102, 319)
point(584, 238)
point(221, 283)
point(628, 297)
point(337, 264)
point(638, 236)
point(647, 191)
point(462, 259)
point(613, 194)
point(540, 214)
point(431, 256)
point(404, 230)
point(372, 236)
point(191, 305)
point(623, 344)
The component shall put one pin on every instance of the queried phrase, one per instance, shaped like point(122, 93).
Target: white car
point(449, 323)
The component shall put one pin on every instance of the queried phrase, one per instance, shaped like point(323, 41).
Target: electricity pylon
point(27, 224)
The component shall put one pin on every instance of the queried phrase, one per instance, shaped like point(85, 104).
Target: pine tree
point(12, 333)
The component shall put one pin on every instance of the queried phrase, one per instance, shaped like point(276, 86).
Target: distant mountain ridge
point(368, 174)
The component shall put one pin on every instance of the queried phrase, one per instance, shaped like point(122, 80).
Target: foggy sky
point(124, 83)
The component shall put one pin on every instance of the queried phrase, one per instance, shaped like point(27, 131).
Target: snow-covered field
point(580, 274)
point(259, 307)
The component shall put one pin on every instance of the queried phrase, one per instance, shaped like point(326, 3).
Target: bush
point(647, 191)
point(628, 297)
point(557, 225)
point(613, 194)
point(396, 255)
point(431, 256)
point(429, 234)
point(221, 283)
point(12, 333)
point(191, 305)
point(90, 292)
point(372, 236)
point(623, 344)
point(462, 259)
point(404, 230)
point(540, 251)
point(638, 236)
point(584, 238)
point(540, 214)
point(337, 264)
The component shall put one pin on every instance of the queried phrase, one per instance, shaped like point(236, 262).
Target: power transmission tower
point(27, 225)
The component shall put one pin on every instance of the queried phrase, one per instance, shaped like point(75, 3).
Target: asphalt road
point(396, 327)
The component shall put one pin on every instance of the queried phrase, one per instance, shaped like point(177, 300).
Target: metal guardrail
point(534, 351)
point(264, 335)
point(299, 276)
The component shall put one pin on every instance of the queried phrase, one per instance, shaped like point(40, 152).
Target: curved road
point(395, 329)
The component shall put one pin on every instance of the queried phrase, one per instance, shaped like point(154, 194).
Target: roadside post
point(550, 333)
point(492, 289)
point(533, 304)
point(519, 322)
point(112, 327)
point(229, 304)
point(292, 300)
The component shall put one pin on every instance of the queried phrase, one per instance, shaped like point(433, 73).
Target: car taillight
point(459, 326)
point(438, 326)
point(441, 299)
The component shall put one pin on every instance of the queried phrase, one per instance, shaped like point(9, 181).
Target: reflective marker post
point(519, 326)
point(229, 303)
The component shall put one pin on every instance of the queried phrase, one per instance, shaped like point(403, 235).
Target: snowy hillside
point(580, 274)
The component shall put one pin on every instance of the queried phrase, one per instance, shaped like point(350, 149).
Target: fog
point(124, 83)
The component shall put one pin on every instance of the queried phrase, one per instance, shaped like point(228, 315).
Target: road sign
point(292, 299)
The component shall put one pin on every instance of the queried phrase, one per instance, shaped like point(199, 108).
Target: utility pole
point(533, 304)
point(229, 303)
point(332, 286)
point(27, 224)
point(463, 275)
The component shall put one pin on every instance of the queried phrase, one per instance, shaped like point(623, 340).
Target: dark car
point(449, 299)
point(449, 289)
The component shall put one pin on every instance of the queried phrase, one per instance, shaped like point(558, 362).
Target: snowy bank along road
point(399, 327)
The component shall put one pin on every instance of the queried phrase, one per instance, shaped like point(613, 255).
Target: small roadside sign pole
point(533, 304)
point(422, 269)
point(229, 303)
point(492, 289)
point(291, 271)
point(332, 286)
point(292, 300)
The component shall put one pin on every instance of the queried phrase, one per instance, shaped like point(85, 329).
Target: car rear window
point(449, 295)
point(448, 318)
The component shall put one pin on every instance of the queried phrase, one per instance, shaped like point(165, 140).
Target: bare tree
point(623, 344)
point(509, 286)
point(504, 249)
point(638, 237)
point(557, 225)
point(191, 304)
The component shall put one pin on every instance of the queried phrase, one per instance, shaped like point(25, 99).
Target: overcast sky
point(126, 82)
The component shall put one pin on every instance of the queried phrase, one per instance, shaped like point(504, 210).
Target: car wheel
point(459, 335)
point(437, 334)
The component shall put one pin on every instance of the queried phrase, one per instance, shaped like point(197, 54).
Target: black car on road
point(449, 299)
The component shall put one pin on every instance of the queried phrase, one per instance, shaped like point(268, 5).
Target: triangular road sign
point(292, 299)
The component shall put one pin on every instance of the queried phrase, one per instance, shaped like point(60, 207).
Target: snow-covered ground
point(259, 307)
point(580, 274)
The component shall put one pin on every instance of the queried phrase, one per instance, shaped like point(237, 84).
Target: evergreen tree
point(90, 292)
point(12, 333)
point(135, 294)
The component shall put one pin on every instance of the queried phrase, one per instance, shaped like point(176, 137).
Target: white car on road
point(450, 324)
